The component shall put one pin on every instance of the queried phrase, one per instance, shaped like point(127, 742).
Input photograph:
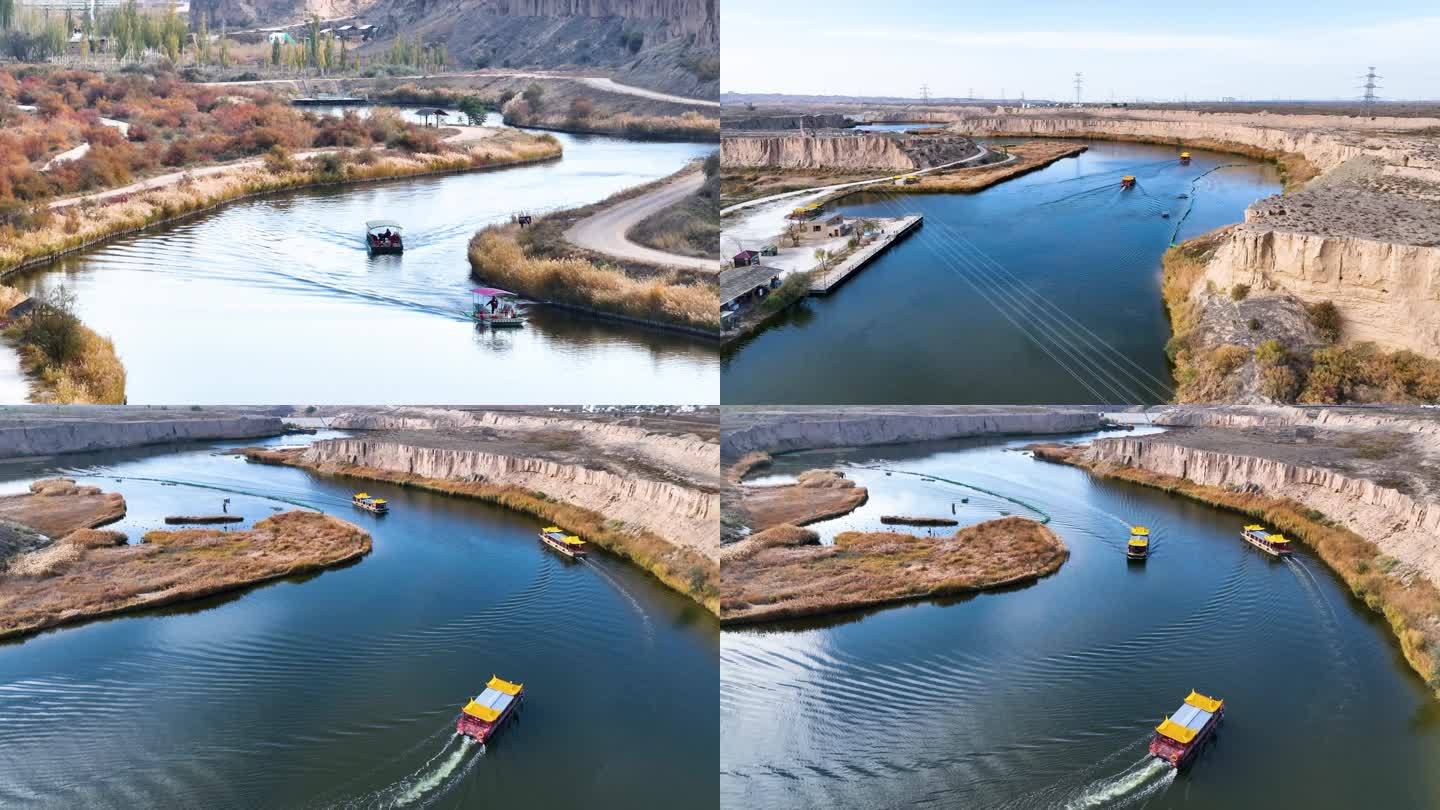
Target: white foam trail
point(1139, 781)
point(427, 782)
point(635, 603)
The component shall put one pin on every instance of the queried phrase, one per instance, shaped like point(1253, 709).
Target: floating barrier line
point(1045, 516)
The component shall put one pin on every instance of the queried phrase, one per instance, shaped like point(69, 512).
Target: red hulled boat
point(1181, 736)
point(489, 710)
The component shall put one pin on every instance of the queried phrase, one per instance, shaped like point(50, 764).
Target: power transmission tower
point(1079, 83)
point(1370, 87)
point(924, 94)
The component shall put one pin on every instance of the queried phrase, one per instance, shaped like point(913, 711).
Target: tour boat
point(496, 308)
point(1181, 736)
point(369, 504)
point(1276, 545)
point(567, 544)
point(382, 236)
point(1128, 181)
point(1139, 546)
point(1184, 157)
point(489, 710)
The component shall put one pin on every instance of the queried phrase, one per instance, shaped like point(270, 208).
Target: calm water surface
point(257, 298)
point(958, 311)
point(1045, 696)
point(341, 689)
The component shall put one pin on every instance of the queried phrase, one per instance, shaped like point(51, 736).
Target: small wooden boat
point(1181, 736)
point(1128, 181)
point(1138, 549)
point(369, 504)
point(496, 308)
point(1276, 545)
point(383, 236)
point(567, 544)
point(1184, 157)
point(488, 711)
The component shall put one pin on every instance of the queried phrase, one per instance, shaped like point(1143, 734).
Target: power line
point(924, 94)
point(1079, 83)
point(1370, 87)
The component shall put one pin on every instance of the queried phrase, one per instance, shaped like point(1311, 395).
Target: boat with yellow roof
point(369, 504)
point(1276, 545)
point(567, 544)
point(1139, 546)
point(488, 711)
point(1181, 735)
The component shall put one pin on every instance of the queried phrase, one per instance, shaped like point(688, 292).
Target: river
point(1042, 289)
point(1045, 696)
point(341, 689)
point(259, 297)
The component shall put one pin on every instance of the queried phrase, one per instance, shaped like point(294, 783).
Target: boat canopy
point(378, 500)
point(1253, 528)
point(497, 697)
point(362, 495)
point(1140, 531)
point(1205, 702)
point(1139, 542)
point(377, 224)
point(499, 683)
point(1176, 732)
point(1277, 538)
point(572, 540)
point(496, 293)
point(551, 529)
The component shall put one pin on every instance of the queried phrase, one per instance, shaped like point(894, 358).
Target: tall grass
point(89, 373)
point(667, 299)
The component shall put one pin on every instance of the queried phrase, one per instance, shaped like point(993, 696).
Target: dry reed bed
point(666, 299)
point(689, 125)
point(81, 577)
point(93, 376)
point(680, 569)
point(1031, 156)
point(60, 506)
point(816, 495)
point(1409, 602)
point(786, 580)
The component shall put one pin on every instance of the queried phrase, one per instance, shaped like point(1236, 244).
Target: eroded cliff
point(888, 151)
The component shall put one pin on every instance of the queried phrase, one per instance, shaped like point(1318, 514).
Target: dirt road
point(605, 232)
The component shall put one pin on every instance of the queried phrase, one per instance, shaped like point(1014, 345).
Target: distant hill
point(668, 45)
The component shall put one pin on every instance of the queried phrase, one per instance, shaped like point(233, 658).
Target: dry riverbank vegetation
point(681, 569)
point(782, 574)
point(499, 256)
point(1409, 602)
point(59, 506)
point(1306, 364)
point(816, 495)
point(86, 575)
point(68, 362)
point(1029, 156)
point(532, 109)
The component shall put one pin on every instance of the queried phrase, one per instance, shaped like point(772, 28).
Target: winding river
point(1042, 289)
point(341, 689)
point(276, 300)
point(1045, 696)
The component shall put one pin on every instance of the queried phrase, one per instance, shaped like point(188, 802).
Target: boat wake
point(1135, 784)
point(634, 603)
point(435, 774)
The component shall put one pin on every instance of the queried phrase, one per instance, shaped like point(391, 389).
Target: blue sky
point(1152, 50)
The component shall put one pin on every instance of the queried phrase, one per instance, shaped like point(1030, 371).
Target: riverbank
point(816, 495)
point(78, 579)
point(772, 578)
point(54, 507)
point(627, 483)
point(83, 224)
point(674, 300)
point(1019, 159)
point(1354, 233)
point(64, 361)
point(1391, 574)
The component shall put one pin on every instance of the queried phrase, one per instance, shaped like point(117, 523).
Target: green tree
point(474, 109)
point(275, 52)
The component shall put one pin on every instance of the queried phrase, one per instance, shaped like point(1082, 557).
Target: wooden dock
point(825, 282)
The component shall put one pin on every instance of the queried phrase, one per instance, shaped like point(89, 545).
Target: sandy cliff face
point(681, 515)
point(1387, 293)
point(81, 436)
point(810, 152)
point(1402, 527)
point(812, 434)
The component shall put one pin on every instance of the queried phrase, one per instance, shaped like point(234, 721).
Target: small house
point(745, 258)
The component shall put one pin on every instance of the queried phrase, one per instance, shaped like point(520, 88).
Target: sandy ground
point(605, 230)
point(819, 495)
